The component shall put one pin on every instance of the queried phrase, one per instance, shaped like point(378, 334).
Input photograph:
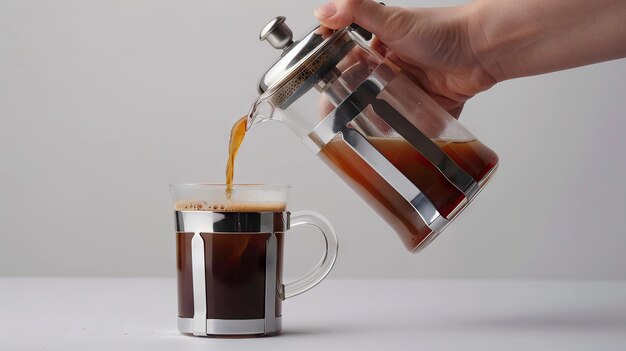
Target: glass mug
point(229, 256)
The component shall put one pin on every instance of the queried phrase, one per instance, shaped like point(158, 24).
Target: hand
point(433, 45)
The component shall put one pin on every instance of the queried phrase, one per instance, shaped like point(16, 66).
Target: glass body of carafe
point(406, 156)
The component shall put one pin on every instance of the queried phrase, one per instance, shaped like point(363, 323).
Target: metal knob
point(277, 33)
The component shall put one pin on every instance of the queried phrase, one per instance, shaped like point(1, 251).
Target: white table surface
point(140, 314)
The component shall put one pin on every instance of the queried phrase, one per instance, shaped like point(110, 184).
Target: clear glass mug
point(406, 156)
point(229, 256)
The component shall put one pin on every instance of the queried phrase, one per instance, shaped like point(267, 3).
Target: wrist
point(484, 46)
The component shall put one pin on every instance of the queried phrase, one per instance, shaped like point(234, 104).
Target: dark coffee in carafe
point(472, 156)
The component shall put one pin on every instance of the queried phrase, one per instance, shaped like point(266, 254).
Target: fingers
point(326, 15)
point(379, 47)
point(370, 15)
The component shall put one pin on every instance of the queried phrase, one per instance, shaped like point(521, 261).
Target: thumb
point(368, 14)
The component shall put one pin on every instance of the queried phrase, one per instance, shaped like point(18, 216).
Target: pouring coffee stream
point(237, 134)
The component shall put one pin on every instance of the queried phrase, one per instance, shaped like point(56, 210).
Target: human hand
point(433, 45)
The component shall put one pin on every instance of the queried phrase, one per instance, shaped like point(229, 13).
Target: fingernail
point(325, 11)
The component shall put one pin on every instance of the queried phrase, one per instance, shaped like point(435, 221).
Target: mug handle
point(327, 261)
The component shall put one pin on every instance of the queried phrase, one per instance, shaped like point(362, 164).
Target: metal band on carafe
point(197, 222)
point(364, 96)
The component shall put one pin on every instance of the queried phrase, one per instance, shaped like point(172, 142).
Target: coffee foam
point(230, 206)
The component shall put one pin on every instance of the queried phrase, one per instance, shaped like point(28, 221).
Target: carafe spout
point(262, 110)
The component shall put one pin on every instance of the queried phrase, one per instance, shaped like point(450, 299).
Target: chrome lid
point(302, 63)
point(295, 54)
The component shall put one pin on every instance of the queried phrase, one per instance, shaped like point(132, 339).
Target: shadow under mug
point(230, 262)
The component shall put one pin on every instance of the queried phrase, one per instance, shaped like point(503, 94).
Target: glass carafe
point(407, 157)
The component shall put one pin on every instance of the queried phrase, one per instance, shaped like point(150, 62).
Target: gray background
point(103, 103)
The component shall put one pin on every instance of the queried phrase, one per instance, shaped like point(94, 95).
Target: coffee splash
point(237, 134)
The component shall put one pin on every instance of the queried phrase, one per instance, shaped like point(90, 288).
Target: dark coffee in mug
point(235, 264)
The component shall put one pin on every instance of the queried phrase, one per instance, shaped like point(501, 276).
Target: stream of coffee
point(236, 137)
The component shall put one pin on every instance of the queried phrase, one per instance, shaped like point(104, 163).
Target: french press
point(407, 157)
